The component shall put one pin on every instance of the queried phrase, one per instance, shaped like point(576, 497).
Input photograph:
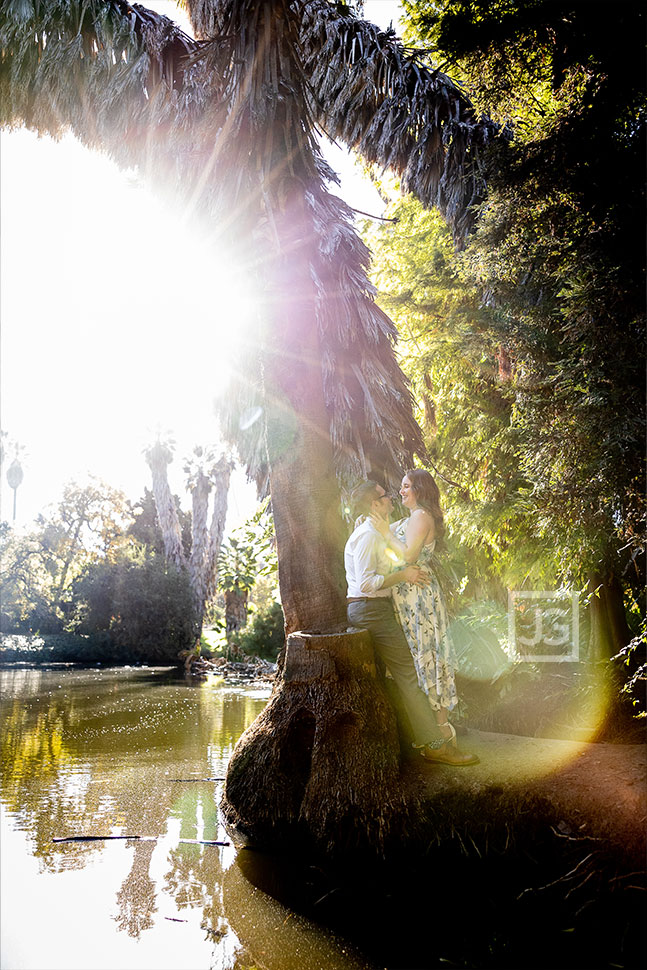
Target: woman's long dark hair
point(427, 496)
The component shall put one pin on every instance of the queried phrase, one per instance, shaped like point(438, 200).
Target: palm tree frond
point(382, 100)
point(367, 396)
point(120, 77)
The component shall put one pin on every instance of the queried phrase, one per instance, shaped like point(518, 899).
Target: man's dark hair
point(363, 496)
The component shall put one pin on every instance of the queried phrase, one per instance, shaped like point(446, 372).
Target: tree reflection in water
point(97, 752)
point(136, 900)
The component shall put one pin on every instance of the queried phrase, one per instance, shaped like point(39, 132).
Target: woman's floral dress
point(423, 616)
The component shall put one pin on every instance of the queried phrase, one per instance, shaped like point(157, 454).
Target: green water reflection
point(112, 752)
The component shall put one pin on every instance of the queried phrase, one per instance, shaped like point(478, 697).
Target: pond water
point(136, 752)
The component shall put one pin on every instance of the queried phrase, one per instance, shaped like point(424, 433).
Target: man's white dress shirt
point(367, 562)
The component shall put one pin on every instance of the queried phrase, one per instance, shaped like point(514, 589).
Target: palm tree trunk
point(220, 475)
point(158, 458)
point(200, 490)
point(321, 763)
point(206, 540)
point(305, 497)
point(320, 767)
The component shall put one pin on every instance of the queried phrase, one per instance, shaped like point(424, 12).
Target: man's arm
point(368, 577)
point(410, 574)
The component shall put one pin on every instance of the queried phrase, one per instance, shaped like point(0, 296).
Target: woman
point(422, 609)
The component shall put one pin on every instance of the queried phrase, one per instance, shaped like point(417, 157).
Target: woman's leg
point(441, 713)
point(448, 729)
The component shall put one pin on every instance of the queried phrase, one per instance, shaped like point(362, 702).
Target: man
point(370, 578)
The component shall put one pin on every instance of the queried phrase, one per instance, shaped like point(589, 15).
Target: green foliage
point(39, 567)
point(247, 563)
point(249, 553)
point(265, 634)
point(142, 601)
point(539, 64)
point(527, 348)
point(81, 574)
point(237, 565)
point(558, 258)
point(633, 658)
point(466, 405)
point(94, 648)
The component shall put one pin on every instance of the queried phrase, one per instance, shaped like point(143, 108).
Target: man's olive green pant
point(392, 650)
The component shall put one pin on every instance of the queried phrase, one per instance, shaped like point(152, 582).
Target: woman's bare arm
point(420, 531)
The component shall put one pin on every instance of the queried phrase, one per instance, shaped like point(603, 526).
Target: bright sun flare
point(117, 320)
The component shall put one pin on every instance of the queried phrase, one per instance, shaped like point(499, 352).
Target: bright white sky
point(115, 322)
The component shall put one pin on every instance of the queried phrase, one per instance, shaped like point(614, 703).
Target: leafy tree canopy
point(557, 259)
point(40, 566)
point(248, 553)
point(467, 406)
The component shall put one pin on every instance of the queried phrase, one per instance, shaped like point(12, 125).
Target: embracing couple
point(412, 639)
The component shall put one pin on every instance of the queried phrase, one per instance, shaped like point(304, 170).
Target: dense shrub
point(143, 602)
point(265, 634)
point(94, 648)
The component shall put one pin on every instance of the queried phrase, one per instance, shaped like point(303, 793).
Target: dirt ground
point(595, 789)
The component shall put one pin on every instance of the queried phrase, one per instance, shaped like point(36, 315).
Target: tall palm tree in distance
point(205, 472)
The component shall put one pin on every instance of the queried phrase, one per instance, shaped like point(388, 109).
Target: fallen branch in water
point(196, 779)
point(140, 838)
point(101, 838)
point(204, 842)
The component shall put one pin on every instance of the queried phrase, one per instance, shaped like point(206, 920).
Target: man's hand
point(415, 575)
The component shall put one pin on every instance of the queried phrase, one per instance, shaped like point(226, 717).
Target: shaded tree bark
point(320, 767)
point(609, 629)
point(200, 489)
